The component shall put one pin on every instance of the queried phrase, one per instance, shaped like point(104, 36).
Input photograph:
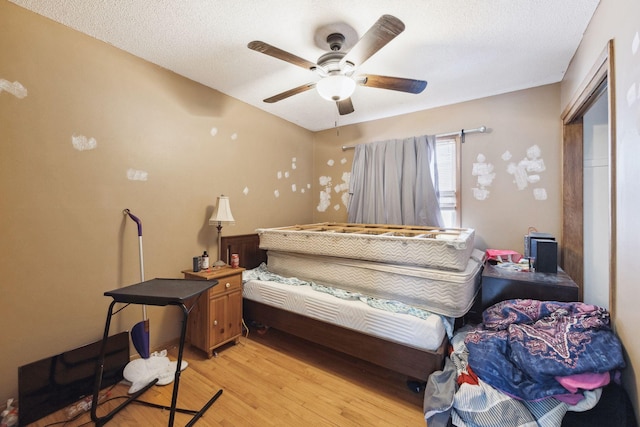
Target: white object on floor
point(140, 372)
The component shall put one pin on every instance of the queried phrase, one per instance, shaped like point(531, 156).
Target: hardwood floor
point(274, 380)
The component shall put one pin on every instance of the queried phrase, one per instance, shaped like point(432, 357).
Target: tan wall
point(63, 238)
point(517, 121)
point(616, 20)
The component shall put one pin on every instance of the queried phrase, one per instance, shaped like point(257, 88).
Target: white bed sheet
point(422, 334)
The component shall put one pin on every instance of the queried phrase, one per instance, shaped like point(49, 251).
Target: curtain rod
point(461, 133)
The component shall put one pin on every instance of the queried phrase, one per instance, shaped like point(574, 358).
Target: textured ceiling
point(465, 49)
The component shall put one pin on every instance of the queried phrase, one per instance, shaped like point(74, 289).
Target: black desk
point(499, 284)
point(160, 292)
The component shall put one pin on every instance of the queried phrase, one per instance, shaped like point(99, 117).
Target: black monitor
point(55, 382)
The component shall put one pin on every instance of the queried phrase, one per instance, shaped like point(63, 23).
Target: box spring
point(443, 248)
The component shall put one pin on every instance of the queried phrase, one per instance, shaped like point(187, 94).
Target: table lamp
point(221, 214)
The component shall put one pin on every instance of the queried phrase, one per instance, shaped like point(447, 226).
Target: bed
point(399, 342)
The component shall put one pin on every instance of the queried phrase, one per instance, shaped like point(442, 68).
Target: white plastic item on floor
point(140, 372)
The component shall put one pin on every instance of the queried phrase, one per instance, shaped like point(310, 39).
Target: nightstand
point(217, 319)
point(500, 284)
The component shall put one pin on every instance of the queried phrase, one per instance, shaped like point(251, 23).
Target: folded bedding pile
point(435, 269)
point(527, 364)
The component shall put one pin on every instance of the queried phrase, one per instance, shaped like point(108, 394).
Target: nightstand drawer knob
point(215, 323)
point(228, 285)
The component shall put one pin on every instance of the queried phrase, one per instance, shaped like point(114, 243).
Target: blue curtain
point(395, 182)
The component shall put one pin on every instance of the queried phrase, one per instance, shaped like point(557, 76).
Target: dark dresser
point(499, 284)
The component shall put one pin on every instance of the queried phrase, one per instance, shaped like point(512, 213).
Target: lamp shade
point(336, 88)
point(222, 212)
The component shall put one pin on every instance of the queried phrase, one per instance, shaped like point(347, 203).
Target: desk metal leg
point(174, 398)
point(176, 383)
point(201, 412)
point(100, 421)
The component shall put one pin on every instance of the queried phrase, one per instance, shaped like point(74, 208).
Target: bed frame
point(416, 364)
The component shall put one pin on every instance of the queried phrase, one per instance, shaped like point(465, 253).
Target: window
point(448, 161)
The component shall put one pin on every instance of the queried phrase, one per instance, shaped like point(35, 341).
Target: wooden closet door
point(573, 204)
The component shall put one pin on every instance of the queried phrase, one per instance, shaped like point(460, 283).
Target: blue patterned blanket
point(526, 344)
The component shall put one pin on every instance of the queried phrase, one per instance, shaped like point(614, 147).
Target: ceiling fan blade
point(290, 92)
point(393, 83)
point(345, 106)
point(267, 49)
point(382, 32)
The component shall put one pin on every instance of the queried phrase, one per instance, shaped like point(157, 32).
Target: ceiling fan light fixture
point(336, 88)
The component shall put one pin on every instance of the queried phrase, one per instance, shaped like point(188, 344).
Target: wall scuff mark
point(345, 199)
point(16, 89)
point(540, 194)
point(82, 143)
point(485, 175)
point(325, 195)
point(528, 170)
point(137, 175)
point(341, 189)
point(344, 189)
point(288, 174)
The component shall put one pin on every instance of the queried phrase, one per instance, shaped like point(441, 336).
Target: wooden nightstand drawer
point(226, 284)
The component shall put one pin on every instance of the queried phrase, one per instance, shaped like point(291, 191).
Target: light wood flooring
point(274, 380)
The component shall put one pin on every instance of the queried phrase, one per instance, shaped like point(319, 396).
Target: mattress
point(444, 248)
point(449, 293)
point(422, 334)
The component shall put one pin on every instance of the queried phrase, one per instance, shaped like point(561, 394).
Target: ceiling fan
point(336, 67)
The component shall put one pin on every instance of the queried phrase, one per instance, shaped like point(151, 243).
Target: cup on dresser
point(235, 261)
